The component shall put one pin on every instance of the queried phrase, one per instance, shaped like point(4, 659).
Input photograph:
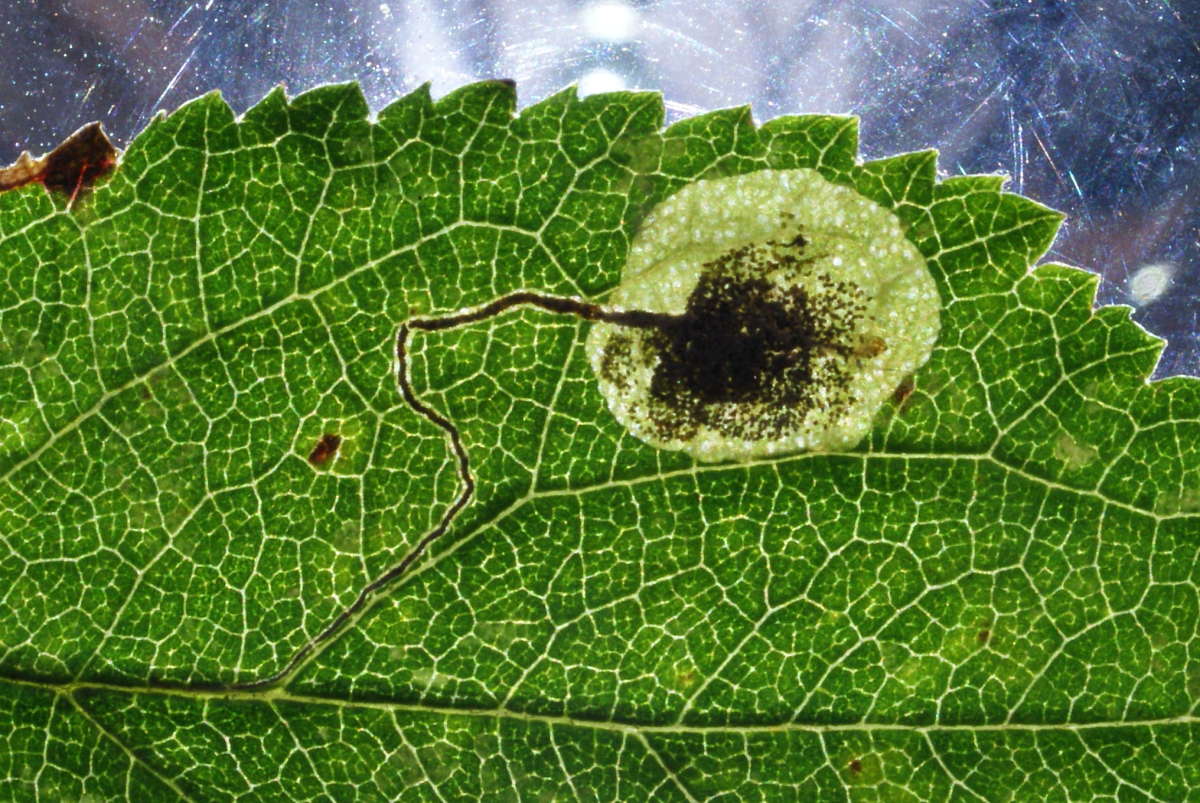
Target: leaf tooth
point(483, 101)
point(900, 181)
point(793, 141)
point(403, 116)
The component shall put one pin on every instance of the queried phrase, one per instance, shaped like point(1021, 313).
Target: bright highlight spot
point(610, 21)
point(600, 80)
point(1150, 282)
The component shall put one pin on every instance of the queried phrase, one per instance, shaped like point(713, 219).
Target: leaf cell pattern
point(995, 595)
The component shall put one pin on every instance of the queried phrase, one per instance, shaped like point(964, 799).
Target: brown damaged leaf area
point(325, 449)
point(70, 169)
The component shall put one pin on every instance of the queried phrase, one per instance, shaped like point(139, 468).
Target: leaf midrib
point(322, 640)
point(277, 695)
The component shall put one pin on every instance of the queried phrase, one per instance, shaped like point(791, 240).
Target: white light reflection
point(600, 80)
point(1150, 282)
point(416, 42)
point(610, 21)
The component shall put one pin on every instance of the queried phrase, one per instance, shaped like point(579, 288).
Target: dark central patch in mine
point(737, 339)
point(747, 341)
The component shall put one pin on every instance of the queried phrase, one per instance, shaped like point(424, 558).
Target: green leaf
point(995, 595)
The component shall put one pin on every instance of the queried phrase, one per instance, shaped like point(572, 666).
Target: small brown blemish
point(855, 766)
point(870, 346)
point(985, 636)
point(70, 169)
point(686, 678)
point(325, 449)
point(903, 391)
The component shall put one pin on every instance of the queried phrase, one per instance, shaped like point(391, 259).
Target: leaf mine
point(490, 584)
point(801, 307)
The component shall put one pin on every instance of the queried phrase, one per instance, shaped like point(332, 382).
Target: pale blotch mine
point(851, 238)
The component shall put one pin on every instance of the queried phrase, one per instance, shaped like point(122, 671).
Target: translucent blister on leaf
point(801, 308)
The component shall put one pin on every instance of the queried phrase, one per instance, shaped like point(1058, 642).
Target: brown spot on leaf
point(903, 391)
point(685, 678)
point(985, 636)
point(869, 346)
point(70, 169)
point(325, 449)
point(855, 766)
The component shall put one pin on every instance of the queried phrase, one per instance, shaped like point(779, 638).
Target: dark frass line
point(638, 319)
point(563, 305)
point(785, 337)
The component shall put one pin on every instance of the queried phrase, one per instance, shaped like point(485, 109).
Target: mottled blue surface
point(1091, 107)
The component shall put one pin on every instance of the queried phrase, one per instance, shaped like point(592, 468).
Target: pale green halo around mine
point(848, 238)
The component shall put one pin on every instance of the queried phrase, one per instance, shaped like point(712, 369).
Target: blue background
point(1091, 107)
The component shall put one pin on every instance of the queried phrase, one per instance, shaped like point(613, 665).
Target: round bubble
point(857, 291)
